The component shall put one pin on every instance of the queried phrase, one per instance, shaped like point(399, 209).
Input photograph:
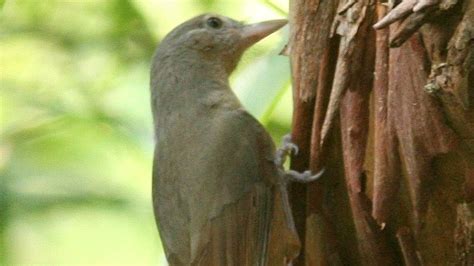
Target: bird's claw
point(287, 148)
point(305, 177)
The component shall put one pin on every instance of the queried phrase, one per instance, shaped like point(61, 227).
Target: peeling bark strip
point(373, 246)
point(406, 241)
point(319, 226)
point(351, 25)
point(386, 160)
point(310, 24)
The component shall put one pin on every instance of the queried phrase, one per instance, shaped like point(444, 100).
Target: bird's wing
point(218, 200)
point(249, 222)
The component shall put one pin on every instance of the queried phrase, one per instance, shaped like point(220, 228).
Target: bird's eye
point(214, 22)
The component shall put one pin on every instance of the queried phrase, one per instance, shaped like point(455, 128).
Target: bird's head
point(214, 38)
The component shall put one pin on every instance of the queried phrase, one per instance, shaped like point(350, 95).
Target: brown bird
point(219, 188)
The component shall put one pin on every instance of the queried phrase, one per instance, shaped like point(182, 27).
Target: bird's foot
point(287, 148)
point(305, 177)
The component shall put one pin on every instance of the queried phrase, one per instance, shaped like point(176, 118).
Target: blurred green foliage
point(75, 127)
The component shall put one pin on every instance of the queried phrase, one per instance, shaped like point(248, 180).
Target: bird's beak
point(253, 33)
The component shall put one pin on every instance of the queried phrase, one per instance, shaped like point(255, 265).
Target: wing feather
point(226, 217)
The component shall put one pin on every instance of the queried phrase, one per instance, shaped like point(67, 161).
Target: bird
point(218, 183)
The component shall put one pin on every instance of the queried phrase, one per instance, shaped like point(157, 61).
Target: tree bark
point(389, 115)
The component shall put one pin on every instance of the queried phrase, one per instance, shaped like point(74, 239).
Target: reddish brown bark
point(404, 157)
point(417, 121)
point(386, 161)
point(406, 241)
point(372, 244)
point(308, 21)
point(464, 235)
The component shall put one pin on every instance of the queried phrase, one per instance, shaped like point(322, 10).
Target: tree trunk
point(389, 115)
